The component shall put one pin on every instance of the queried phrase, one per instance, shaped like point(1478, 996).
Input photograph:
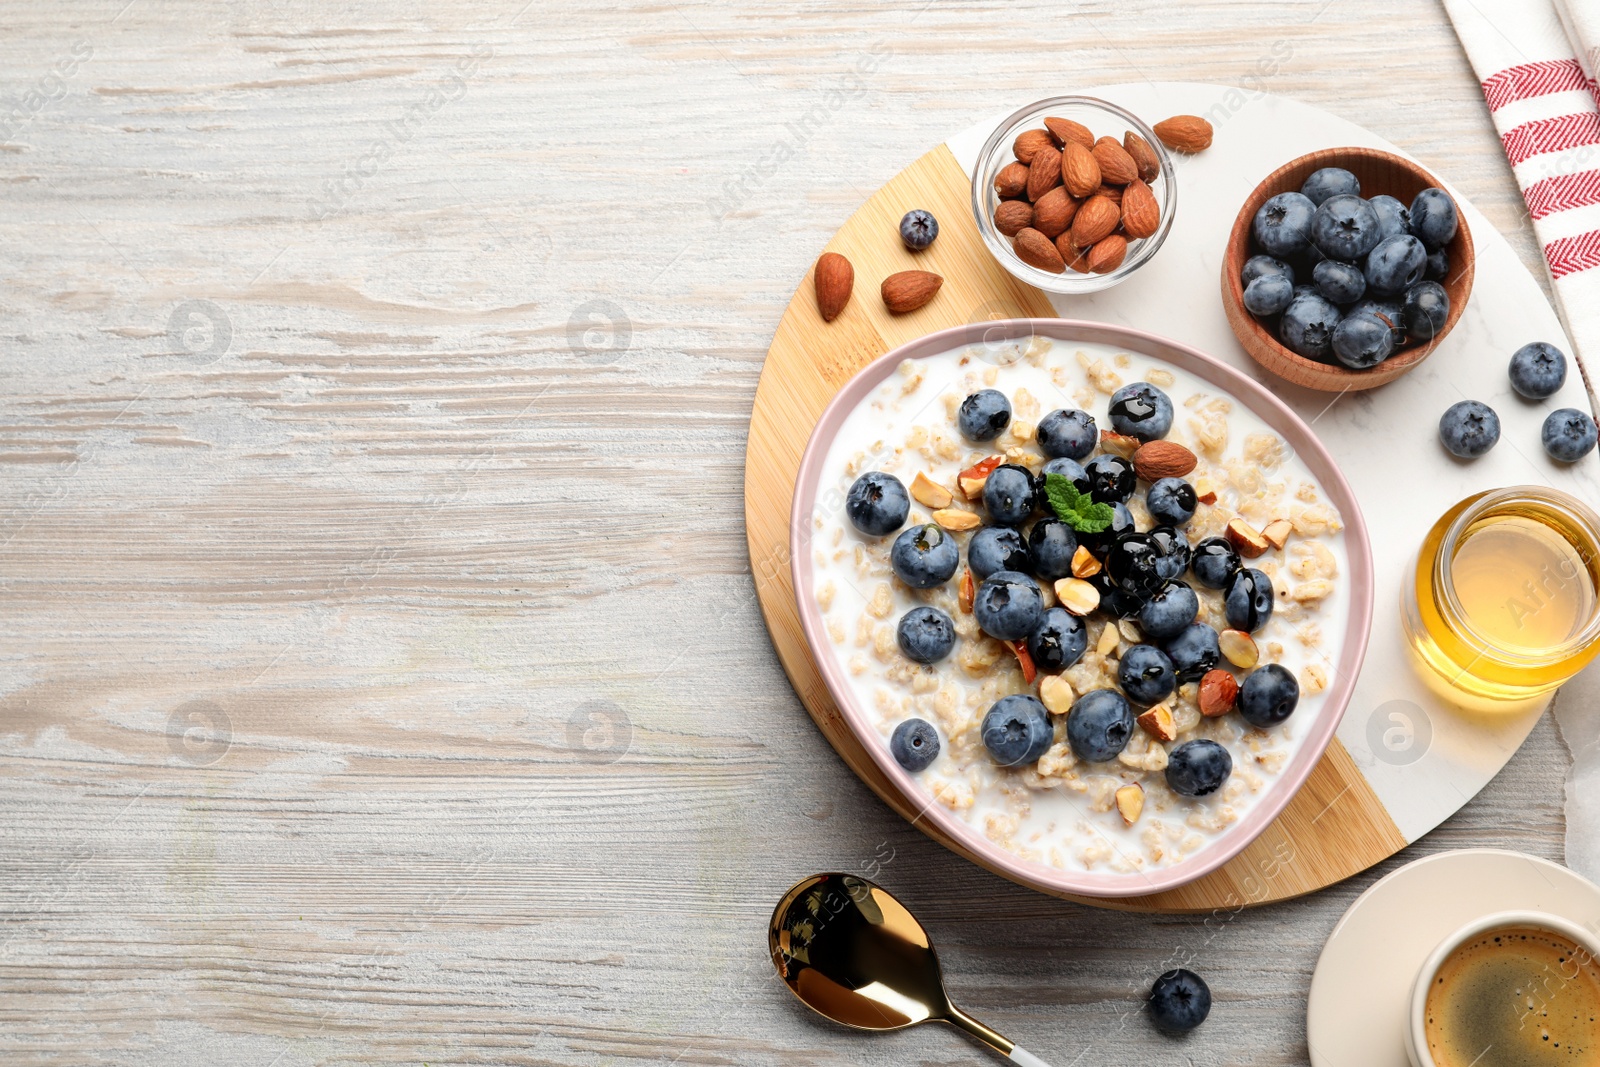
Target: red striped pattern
point(1573, 254)
point(1563, 193)
point(1551, 135)
point(1528, 80)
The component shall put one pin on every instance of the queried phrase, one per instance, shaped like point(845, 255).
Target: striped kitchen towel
point(1545, 107)
point(1581, 20)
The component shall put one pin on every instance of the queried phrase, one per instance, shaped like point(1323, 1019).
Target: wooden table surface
point(381, 677)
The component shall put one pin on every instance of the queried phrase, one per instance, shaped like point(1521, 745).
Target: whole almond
point(1144, 156)
point(1030, 142)
point(1044, 174)
point(834, 278)
point(1185, 133)
point(1074, 257)
point(1013, 215)
point(1116, 166)
point(1095, 220)
point(1141, 215)
point(1053, 213)
point(1163, 459)
point(909, 290)
point(1066, 130)
point(1079, 171)
point(1012, 181)
point(1107, 254)
point(1036, 250)
point(1218, 691)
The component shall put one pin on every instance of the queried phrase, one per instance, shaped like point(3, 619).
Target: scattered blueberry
point(924, 556)
point(1017, 730)
point(918, 229)
point(1179, 1001)
point(1269, 295)
point(914, 744)
point(983, 415)
point(1342, 283)
point(1345, 227)
point(1424, 313)
point(1395, 265)
point(1008, 494)
point(1051, 544)
point(1008, 605)
point(1111, 478)
point(1194, 651)
point(925, 634)
point(1437, 266)
point(1070, 469)
point(1198, 768)
point(1099, 725)
point(1121, 523)
point(1132, 564)
point(1169, 612)
point(1261, 266)
point(1268, 696)
point(1215, 561)
point(1248, 600)
point(1282, 225)
point(1433, 217)
point(1141, 410)
point(997, 548)
point(1307, 326)
point(1568, 435)
point(1393, 217)
point(877, 503)
point(1146, 675)
point(1058, 640)
point(1329, 182)
point(1538, 370)
point(1171, 501)
point(1469, 428)
point(1071, 434)
point(1362, 341)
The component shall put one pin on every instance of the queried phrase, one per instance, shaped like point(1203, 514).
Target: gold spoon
point(853, 953)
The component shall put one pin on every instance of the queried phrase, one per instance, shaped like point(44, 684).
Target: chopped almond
point(1077, 595)
point(1084, 563)
point(1246, 538)
point(929, 493)
point(1056, 694)
point(956, 521)
point(1130, 802)
point(1239, 648)
point(1277, 532)
point(1158, 723)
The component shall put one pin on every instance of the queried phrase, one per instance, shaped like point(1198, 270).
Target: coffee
point(1515, 997)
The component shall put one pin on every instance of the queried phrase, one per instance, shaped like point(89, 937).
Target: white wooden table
point(381, 679)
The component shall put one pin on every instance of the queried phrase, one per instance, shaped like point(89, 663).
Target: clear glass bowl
point(1105, 119)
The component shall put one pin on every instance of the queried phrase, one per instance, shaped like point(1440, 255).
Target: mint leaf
point(1074, 508)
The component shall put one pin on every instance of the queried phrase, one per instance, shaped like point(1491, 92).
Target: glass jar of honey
point(1503, 602)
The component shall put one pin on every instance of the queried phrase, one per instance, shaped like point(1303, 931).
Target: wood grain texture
point(450, 530)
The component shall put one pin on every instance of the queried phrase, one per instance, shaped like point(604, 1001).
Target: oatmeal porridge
point(1090, 602)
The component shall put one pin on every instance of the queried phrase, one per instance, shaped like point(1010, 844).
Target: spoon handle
point(1003, 1045)
point(1024, 1058)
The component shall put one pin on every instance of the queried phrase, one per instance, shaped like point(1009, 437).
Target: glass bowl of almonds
point(1073, 194)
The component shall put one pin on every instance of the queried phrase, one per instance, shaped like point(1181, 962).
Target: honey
point(1503, 603)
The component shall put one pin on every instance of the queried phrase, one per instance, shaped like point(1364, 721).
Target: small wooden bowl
point(1378, 172)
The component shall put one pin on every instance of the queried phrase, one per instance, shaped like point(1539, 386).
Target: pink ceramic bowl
point(1352, 644)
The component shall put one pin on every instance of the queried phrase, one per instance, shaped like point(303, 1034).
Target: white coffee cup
point(1416, 1019)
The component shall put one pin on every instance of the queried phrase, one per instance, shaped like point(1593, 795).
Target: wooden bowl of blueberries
point(1346, 268)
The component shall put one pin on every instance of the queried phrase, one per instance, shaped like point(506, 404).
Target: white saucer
point(1356, 1016)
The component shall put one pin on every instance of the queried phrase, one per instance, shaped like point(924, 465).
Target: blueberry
point(1282, 225)
point(1172, 552)
point(1433, 217)
point(1329, 182)
point(1071, 434)
point(1198, 768)
point(1115, 600)
point(1111, 478)
point(1171, 501)
point(1248, 600)
point(1362, 341)
point(1307, 326)
point(1146, 675)
point(1051, 544)
point(1017, 730)
point(1342, 283)
point(1538, 370)
point(1469, 428)
point(997, 548)
point(924, 556)
point(925, 634)
point(1132, 564)
point(1058, 640)
point(983, 415)
point(1268, 295)
point(918, 229)
point(1194, 651)
point(1424, 313)
point(1215, 561)
point(877, 503)
point(1099, 725)
point(1390, 312)
point(1141, 410)
point(1008, 605)
point(1070, 469)
point(1568, 435)
point(1261, 266)
point(1393, 216)
point(1169, 612)
point(1395, 265)
point(1179, 1001)
point(1121, 523)
point(1345, 227)
point(1008, 494)
point(1268, 696)
point(1437, 266)
point(914, 744)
